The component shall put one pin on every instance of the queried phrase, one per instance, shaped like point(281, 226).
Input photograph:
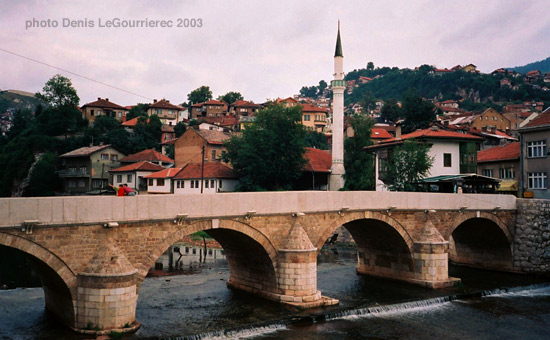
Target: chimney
point(98, 98)
point(107, 99)
point(167, 101)
point(154, 101)
point(398, 131)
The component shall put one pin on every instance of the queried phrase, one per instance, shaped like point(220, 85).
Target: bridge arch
point(58, 280)
point(384, 246)
point(480, 239)
point(251, 256)
point(366, 216)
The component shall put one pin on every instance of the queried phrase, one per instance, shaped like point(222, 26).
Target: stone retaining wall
point(532, 237)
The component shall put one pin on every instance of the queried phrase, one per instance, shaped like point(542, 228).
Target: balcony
point(73, 173)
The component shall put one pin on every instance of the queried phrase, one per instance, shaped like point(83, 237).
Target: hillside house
point(133, 175)
point(103, 107)
point(188, 148)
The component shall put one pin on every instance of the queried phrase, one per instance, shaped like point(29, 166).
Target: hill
point(541, 65)
point(15, 99)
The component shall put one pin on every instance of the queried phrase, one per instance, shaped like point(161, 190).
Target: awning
point(508, 185)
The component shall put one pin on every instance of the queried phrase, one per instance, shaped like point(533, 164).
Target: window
point(182, 184)
point(447, 160)
point(506, 173)
point(150, 182)
point(307, 118)
point(196, 183)
point(487, 172)
point(206, 184)
point(192, 184)
point(536, 180)
point(91, 112)
point(213, 154)
point(160, 182)
point(97, 183)
point(81, 183)
point(220, 183)
point(119, 178)
point(82, 169)
point(129, 178)
point(212, 183)
point(72, 170)
point(114, 158)
point(178, 184)
point(104, 157)
point(536, 149)
point(72, 184)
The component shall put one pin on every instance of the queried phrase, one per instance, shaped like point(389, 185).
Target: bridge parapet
point(93, 209)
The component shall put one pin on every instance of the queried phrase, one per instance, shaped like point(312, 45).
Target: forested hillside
point(541, 65)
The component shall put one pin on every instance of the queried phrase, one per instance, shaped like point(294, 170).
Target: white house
point(133, 174)
point(216, 177)
point(161, 182)
point(452, 152)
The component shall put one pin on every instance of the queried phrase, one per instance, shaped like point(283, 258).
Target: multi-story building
point(501, 162)
point(244, 108)
point(87, 168)
point(313, 117)
point(535, 157)
point(103, 107)
point(168, 113)
point(491, 118)
point(189, 146)
point(133, 175)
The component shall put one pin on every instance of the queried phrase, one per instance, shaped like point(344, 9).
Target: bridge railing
point(69, 210)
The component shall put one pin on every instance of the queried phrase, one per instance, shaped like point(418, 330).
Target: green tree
point(147, 133)
point(308, 91)
point(391, 110)
point(231, 97)
point(321, 87)
point(418, 113)
point(368, 102)
point(59, 91)
point(408, 164)
point(139, 110)
point(199, 95)
point(316, 140)
point(180, 129)
point(370, 65)
point(21, 121)
point(358, 163)
point(61, 120)
point(44, 180)
point(269, 155)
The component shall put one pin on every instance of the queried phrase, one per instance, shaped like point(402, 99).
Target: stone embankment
point(532, 236)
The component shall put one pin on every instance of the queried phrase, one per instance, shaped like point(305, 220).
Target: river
point(198, 305)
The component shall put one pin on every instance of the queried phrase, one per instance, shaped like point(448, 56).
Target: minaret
point(338, 86)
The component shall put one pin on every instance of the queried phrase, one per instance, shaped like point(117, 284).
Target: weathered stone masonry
point(532, 237)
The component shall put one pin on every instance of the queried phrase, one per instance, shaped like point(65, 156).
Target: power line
point(73, 73)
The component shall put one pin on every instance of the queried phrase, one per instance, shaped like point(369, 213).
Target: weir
point(99, 249)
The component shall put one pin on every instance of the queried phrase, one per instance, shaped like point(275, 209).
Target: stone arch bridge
point(93, 253)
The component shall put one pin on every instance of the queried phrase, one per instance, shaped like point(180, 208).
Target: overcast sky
point(263, 49)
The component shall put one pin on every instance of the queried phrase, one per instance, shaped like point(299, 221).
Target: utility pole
point(202, 169)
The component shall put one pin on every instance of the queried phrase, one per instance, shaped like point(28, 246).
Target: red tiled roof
point(166, 173)
point(150, 155)
point(197, 105)
point(312, 108)
point(215, 102)
point(378, 133)
point(211, 170)
point(509, 151)
point(165, 104)
point(434, 133)
point(212, 136)
point(317, 160)
point(85, 151)
point(104, 103)
point(244, 103)
point(142, 166)
point(542, 119)
point(132, 122)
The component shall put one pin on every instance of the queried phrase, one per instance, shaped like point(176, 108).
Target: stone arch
point(249, 253)
point(461, 218)
point(367, 215)
point(58, 280)
point(480, 239)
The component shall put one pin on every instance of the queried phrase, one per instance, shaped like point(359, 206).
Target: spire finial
point(338, 52)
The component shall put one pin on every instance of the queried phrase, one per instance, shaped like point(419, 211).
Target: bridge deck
point(98, 209)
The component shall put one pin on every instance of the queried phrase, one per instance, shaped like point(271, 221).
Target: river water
point(198, 305)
